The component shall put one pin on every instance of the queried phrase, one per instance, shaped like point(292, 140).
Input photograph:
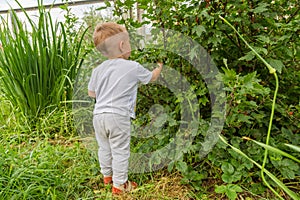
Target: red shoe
point(107, 180)
point(126, 187)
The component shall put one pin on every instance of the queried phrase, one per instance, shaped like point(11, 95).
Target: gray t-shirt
point(115, 84)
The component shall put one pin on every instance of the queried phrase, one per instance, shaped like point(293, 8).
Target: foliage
point(272, 176)
point(267, 147)
point(271, 29)
point(39, 62)
point(230, 190)
point(45, 169)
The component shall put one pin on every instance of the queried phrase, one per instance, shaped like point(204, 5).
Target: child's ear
point(121, 46)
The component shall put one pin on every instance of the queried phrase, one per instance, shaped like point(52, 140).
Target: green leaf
point(230, 75)
point(249, 79)
point(249, 56)
point(227, 168)
point(194, 175)
point(220, 189)
point(257, 188)
point(227, 178)
point(235, 188)
point(261, 50)
point(277, 64)
point(171, 166)
point(64, 7)
point(248, 164)
point(263, 39)
point(101, 8)
point(244, 118)
point(231, 194)
point(198, 30)
point(182, 166)
point(262, 7)
point(271, 69)
point(107, 3)
point(288, 168)
point(230, 190)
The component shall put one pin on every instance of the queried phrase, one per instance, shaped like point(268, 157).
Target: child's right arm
point(91, 94)
point(156, 72)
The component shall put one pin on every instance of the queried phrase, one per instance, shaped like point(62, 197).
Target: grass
point(37, 168)
point(62, 168)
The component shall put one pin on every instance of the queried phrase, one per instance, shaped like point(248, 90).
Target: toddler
point(114, 84)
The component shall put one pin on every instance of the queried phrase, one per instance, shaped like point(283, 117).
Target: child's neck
point(116, 57)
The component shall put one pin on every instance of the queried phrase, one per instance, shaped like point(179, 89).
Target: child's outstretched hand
point(156, 71)
point(160, 64)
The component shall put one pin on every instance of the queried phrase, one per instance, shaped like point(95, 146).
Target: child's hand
point(160, 64)
point(156, 71)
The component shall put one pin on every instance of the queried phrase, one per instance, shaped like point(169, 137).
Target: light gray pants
point(113, 137)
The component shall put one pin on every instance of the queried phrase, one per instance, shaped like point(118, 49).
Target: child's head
point(112, 40)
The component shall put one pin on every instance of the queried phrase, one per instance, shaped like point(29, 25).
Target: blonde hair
point(105, 31)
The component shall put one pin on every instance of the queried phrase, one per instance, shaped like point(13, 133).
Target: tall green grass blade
point(275, 150)
point(296, 148)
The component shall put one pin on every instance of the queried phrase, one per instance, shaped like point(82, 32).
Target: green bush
point(272, 29)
